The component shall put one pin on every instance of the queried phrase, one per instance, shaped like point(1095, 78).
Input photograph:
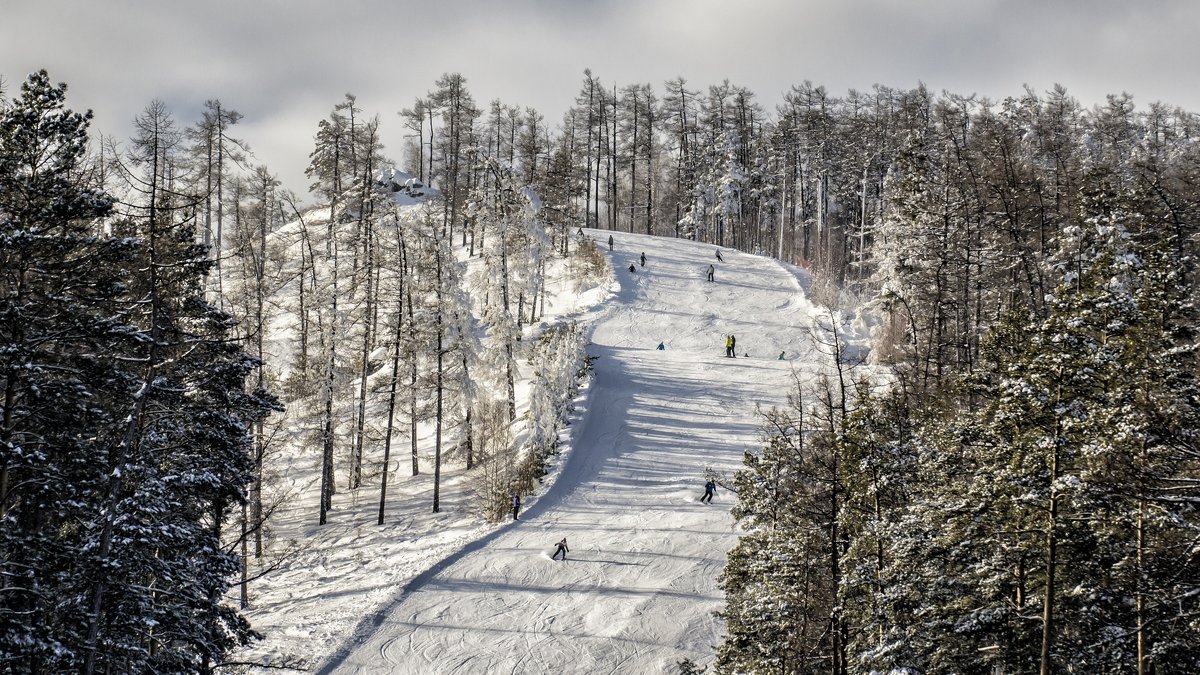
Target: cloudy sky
point(284, 63)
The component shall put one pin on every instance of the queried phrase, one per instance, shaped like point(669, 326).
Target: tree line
point(1020, 495)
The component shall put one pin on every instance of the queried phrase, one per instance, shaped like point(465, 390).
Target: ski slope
point(639, 589)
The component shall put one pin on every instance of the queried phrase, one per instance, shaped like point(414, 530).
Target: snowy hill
point(639, 589)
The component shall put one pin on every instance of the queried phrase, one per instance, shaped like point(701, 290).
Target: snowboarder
point(560, 547)
point(709, 488)
point(610, 242)
point(643, 258)
point(719, 258)
point(660, 347)
point(711, 271)
point(632, 268)
point(516, 505)
point(780, 356)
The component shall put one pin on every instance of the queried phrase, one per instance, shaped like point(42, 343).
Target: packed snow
point(446, 593)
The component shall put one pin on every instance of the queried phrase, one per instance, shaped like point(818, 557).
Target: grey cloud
point(284, 64)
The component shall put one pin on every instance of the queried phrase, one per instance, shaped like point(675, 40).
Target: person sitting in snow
point(661, 347)
point(632, 267)
point(560, 547)
point(780, 356)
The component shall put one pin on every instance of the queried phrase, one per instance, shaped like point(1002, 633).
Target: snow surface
point(448, 593)
point(639, 589)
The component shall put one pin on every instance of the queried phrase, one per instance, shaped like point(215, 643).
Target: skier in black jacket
point(560, 547)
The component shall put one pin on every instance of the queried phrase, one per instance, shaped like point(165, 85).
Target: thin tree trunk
point(437, 442)
point(387, 439)
point(243, 586)
point(1051, 553)
point(327, 449)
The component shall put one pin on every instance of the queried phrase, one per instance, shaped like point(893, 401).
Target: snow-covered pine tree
point(458, 112)
point(441, 307)
point(512, 247)
point(126, 437)
point(778, 591)
point(182, 456)
point(1060, 499)
point(60, 321)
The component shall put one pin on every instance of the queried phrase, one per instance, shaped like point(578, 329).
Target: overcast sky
point(284, 63)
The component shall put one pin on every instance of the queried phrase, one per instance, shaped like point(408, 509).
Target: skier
point(733, 346)
point(719, 258)
point(516, 505)
point(643, 258)
point(610, 242)
point(780, 356)
point(709, 488)
point(660, 347)
point(560, 547)
point(711, 271)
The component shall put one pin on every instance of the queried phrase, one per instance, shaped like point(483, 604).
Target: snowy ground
point(639, 589)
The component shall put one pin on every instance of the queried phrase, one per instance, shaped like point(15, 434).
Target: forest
point(1019, 494)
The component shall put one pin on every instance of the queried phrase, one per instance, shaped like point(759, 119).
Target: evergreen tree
point(126, 435)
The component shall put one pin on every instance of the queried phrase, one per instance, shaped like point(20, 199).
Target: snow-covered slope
point(639, 589)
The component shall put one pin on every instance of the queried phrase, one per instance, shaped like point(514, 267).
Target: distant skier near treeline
point(709, 489)
point(719, 258)
point(610, 242)
point(560, 547)
point(516, 505)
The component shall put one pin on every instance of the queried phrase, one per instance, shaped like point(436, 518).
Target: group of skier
point(710, 489)
point(710, 275)
point(643, 261)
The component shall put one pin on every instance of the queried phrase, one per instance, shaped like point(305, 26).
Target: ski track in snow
point(639, 589)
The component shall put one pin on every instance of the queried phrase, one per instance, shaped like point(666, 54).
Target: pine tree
point(126, 436)
point(59, 318)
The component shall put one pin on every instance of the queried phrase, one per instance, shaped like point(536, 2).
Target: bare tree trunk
point(243, 587)
point(327, 449)
point(1051, 553)
point(387, 439)
point(360, 431)
point(468, 428)
point(437, 442)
